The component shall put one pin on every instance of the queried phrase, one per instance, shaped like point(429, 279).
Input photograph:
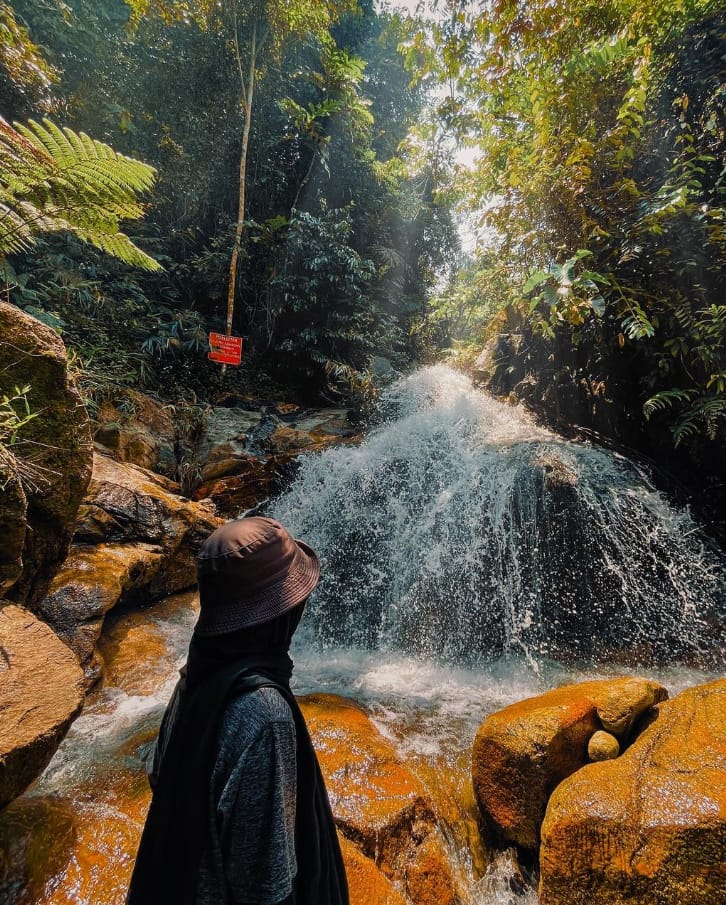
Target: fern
point(57, 180)
point(665, 400)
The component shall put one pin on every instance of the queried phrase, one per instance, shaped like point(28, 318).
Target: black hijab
point(218, 669)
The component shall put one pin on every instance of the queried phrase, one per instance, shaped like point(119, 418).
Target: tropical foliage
point(263, 120)
point(600, 138)
point(56, 180)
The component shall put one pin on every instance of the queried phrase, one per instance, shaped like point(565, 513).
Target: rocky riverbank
point(608, 791)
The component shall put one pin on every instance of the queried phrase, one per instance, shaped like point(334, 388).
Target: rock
point(649, 827)
point(91, 582)
point(135, 538)
point(378, 803)
point(62, 851)
point(603, 746)
point(53, 449)
point(257, 479)
point(136, 646)
point(366, 883)
point(499, 364)
point(127, 504)
point(523, 752)
point(139, 429)
point(13, 509)
point(308, 431)
point(41, 693)
point(232, 436)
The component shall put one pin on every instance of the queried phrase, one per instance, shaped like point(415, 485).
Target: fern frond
point(664, 400)
point(54, 179)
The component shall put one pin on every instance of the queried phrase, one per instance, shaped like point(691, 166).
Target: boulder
point(52, 452)
point(137, 648)
point(135, 538)
point(41, 693)
point(13, 510)
point(91, 582)
point(256, 479)
point(366, 883)
point(521, 753)
point(310, 431)
point(139, 429)
point(232, 436)
point(127, 504)
point(378, 803)
point(648, 828)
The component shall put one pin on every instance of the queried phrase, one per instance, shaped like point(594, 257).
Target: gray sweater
point(250, 855)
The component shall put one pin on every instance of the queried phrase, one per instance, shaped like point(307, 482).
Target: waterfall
point(459, 530)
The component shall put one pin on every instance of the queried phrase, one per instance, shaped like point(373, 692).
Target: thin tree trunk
point(239, 229)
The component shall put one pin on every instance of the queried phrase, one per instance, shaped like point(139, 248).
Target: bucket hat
point(250, 571)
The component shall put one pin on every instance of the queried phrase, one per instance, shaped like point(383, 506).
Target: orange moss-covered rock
point(521, 753)
point(135, 535)
point(74, 852)
point(366, 883)
point(92, 581)
point(650, 826)
point(41, 693)
point(378, 803)
point(136, 646)
point(126, 503)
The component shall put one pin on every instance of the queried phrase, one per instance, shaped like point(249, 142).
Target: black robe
point(175, 834)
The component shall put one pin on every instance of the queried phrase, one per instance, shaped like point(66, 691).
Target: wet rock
point(232, 436)
point(74, 852)
point(603, 746)
point(378, 803)
point(127, 504)
point(36, 838)
point(41, 693)
point(91, 582)
point(53, 451)
point(649, 827)
point(257, 479)
point(311, 431)
point(499, 364)
point(366, 883)
point(136, 646)
point(135, 538)
point(523, 752)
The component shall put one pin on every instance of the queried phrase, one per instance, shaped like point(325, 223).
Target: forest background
point(597, 133)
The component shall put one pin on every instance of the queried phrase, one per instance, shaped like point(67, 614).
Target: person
point(239, 812)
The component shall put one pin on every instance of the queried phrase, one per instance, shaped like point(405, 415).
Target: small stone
point(603, 746)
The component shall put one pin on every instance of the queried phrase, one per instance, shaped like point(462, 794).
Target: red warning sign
point(227, 349)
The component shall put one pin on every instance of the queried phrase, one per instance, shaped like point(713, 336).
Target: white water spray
point(460, 530)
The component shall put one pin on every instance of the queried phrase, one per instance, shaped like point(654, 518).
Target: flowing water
point(460, 530)
point(470, 559)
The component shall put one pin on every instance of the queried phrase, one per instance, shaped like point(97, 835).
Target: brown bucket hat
point(251, 571)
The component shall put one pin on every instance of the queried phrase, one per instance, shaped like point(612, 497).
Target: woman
point(239, 813)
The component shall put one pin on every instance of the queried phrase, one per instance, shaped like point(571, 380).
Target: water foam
point(461, 530)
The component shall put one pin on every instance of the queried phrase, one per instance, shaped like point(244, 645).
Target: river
point(470, 559)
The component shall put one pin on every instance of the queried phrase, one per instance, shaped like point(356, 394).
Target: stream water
point(470, 559)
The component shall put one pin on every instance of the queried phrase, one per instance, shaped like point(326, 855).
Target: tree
point(257, 30)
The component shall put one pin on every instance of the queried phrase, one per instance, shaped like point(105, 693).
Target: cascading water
point(457, 536)
point(459, 529)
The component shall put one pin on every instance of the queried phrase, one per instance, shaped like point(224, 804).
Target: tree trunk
point(239, 229)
